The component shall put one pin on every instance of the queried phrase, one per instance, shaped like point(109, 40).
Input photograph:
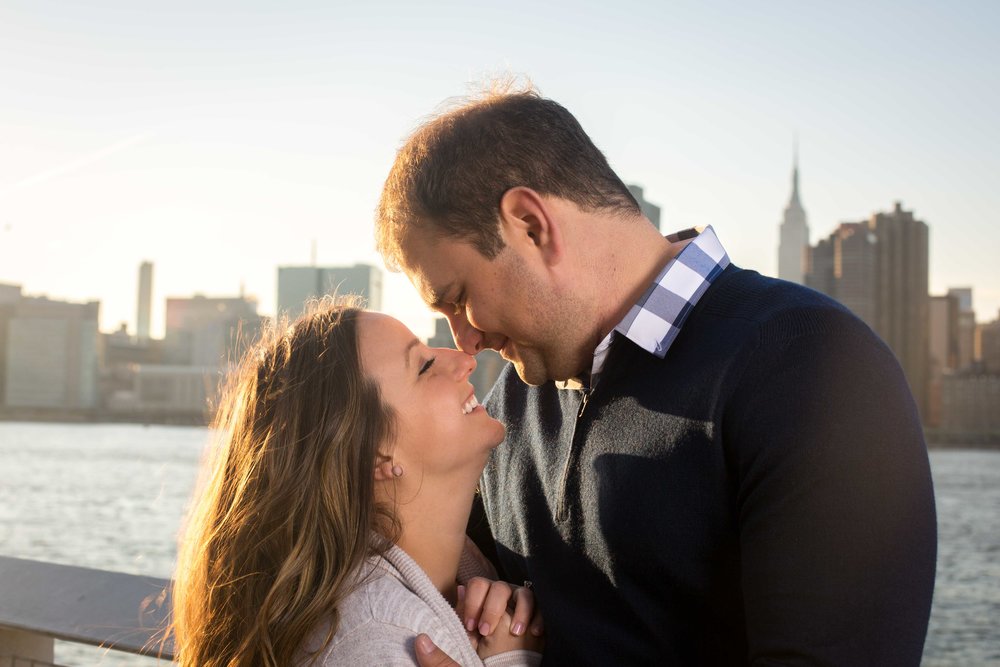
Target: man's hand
point(429, 655)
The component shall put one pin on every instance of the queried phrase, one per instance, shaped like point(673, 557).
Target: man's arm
point(836, 507)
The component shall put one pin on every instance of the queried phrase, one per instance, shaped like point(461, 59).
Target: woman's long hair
point(285, 515)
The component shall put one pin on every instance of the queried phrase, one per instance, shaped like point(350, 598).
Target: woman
point(330, 528)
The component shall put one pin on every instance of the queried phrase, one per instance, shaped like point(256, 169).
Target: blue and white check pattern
point(655, 320)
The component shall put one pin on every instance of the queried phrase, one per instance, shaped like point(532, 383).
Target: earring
point(397, 470)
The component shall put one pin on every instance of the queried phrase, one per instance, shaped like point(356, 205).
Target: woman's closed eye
point(426, 366)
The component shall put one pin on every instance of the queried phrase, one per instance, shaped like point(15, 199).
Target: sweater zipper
point(562, 513)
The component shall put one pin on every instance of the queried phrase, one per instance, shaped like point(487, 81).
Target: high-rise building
point(971, 408)
point(144, 308)
point(209, 332)
point(903, 300)
point(989, 346)
point(966, 326)
point(879, 269)
point(10, 295)
point(793, 244)
point(489, 363)
point(51, 352)
point(843, 266)
point(650, 210)
point(297, 285)
point(943, 347)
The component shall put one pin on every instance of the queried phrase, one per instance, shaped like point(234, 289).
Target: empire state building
point(794, 235)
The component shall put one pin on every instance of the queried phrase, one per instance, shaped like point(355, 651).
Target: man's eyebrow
point(436, 297)
point(406, 353)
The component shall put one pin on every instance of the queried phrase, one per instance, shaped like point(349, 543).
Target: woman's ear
point(386, 469)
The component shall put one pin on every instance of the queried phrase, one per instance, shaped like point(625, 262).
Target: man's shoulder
point(747, 293)
point(776, 308)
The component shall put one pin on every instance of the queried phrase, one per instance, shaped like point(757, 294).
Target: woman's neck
point(433, 535)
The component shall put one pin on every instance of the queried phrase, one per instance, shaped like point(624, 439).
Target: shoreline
point(936, 440)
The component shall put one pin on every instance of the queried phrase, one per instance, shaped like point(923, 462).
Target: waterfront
point(111, 496)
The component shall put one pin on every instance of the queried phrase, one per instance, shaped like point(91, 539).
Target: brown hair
point(285, 517)
point(449, 176)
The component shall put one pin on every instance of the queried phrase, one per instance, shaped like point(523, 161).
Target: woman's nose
point(463, 364)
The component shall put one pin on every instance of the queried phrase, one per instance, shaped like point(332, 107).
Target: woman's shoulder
point(378, 621)
point(384, 597)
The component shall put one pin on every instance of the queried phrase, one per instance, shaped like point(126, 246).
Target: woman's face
point(440, 425)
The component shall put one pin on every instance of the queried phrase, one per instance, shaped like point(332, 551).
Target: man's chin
point(533, 376)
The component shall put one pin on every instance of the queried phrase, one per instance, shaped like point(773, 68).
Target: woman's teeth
point(470, 405)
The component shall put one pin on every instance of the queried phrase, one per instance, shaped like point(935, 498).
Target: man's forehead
point(433, 294)
point(431, 281)
point(429, 266)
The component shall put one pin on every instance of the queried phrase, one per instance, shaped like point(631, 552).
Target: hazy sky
point(218, 140)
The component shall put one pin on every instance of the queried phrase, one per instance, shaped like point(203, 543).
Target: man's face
point(509, 304)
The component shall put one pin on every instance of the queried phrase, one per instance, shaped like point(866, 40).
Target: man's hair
point(450, 175)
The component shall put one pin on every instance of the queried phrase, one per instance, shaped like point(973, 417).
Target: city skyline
point(220, 143)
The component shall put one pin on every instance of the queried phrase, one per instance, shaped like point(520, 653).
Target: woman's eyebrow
point(406, 353)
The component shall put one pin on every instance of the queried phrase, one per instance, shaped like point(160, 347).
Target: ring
point(527, 583)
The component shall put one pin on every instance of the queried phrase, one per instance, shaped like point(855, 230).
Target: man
point(702, 465)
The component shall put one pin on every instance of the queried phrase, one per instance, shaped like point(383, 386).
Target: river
point(112, 496)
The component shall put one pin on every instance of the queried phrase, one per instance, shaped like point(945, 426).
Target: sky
point(221, 140)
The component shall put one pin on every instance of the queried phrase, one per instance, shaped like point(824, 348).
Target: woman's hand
point(501, 640)
point(489, 605)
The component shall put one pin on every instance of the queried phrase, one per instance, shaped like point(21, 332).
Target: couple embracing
point(684, 463)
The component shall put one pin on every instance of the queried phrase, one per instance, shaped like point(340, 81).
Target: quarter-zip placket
point(562, 511)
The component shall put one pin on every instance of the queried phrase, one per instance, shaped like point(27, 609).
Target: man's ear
point(528, 222)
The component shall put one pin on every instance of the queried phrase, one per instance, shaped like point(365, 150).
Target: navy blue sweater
point(762, 495)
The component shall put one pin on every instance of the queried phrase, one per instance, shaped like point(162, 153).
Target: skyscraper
point(144, 308)
point(51, 355)
point(966, 326)
point(650, 210)
point(843, 266)
point(209, 331)
point(793, 234)
point(299, 284)
point(903, 301)
point(943, 347)
point(10, 296)
point(879, 269)
point(990, 346)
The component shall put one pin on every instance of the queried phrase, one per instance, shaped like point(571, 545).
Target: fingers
point(485, 602)
point(537, 626)
point(429, 655)
point(473, 635)
point(524, 608)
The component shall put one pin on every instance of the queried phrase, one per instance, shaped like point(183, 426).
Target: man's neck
point(625, 266)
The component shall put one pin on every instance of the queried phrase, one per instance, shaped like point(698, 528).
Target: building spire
point(793, 245)
point(795, 173)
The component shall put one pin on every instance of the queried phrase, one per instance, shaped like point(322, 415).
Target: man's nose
point(468, 338)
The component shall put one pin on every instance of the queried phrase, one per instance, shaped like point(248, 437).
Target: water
point(111, 497)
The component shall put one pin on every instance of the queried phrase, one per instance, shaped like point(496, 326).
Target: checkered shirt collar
point(655, 320)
